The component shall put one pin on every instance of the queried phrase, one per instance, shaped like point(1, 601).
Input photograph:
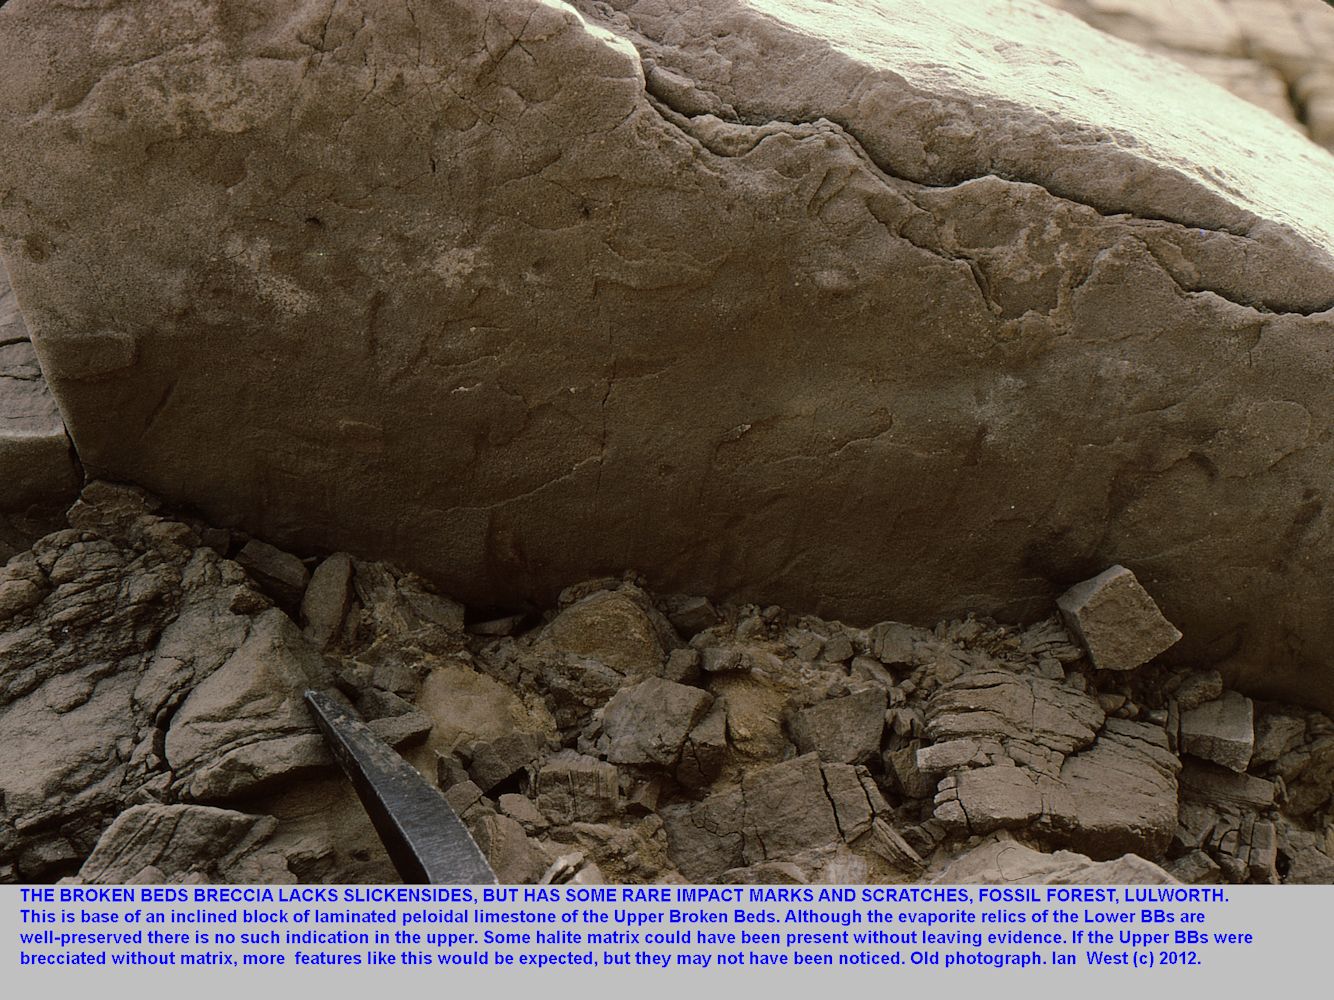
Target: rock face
point(884, 282)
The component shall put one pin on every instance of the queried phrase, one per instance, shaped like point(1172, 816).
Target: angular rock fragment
point(941, 757)
point(1116, 620)
point(887, 842)
point(1210, 783)
point(183, 843)
point(246, 725)
point(495, 761)
point(843, 730)
point(776, 813)
point(705, 751)
point(649, 723)
point(1222, 731)
point(988, 798)
point(328, 597)
point(280, 573)
point(513, 856)
point(574, 788)
point(853, 808)
point(1276, 733)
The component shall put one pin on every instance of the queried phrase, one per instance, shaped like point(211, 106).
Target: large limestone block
point(872, 309)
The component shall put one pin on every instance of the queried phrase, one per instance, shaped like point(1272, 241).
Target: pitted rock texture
point(771, 300)
point(151, 729)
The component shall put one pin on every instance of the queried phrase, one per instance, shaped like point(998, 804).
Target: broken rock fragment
point(649, 723)
point(184, 843)
point(1222, 731)
point(1116, 620)
point(280, 573)
point(844, 730)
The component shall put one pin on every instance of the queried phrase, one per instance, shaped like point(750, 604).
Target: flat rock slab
point(518, 292)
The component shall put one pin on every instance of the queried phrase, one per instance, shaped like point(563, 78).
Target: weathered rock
point(404, 608)
point(854, 809)
point(988, 798)
point(181, 843)
point(778, 812)
point(1275, 734)
point(1001, 705)
point(1195, 868)
point(1222, 731)
point(1217, 785)
point(399, 731)
point(1197, 687)
point(941, 757)
point(1118, 796)
point(649, 723)
point(1054, 237)
point(328, 597)
point(467, 707)
point(93, 671)
point(843, 730)
point(1116, 620)
point(495, 761)
point(246, 724)
point(1002, 861)
point(574, 788)
point(280, 573)
point(513, 856)
point(616, 628)
point(705, 752)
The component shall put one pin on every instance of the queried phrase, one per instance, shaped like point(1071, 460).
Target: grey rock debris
point(150, 701)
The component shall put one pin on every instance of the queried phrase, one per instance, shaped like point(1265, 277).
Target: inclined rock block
point(1116, 620)
point(1222, 731)
point(517, 292)
point(246, 725)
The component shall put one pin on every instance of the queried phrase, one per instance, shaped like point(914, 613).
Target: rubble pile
point(152, 729)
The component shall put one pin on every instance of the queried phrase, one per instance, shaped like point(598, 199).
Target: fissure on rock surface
point(771, 300)
point(152, 729)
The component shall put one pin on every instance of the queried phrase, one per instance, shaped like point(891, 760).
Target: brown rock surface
point(355, 228)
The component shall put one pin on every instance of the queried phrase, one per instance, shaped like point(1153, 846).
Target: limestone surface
point(517, 292)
